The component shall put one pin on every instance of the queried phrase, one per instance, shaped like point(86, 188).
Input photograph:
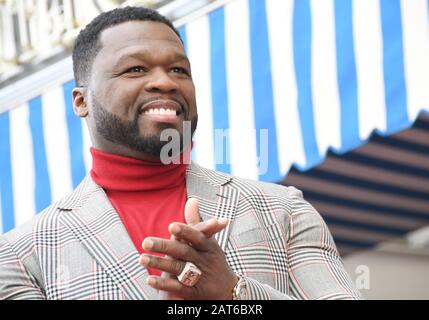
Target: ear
point(80, 106)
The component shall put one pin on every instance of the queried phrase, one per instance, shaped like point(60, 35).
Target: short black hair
point(88, 45)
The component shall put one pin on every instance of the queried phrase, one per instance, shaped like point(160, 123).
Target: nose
point(161, 81)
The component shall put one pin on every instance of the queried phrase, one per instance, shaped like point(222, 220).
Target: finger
point(192, 212)
point(172, 266)
point(212, 226)
point(172, 248)
point(194, 237)
point(168, 284)
point(209, 228)
point(164, 295)
point(168, 275)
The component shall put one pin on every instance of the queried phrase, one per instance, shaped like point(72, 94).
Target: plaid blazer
point(78, 248)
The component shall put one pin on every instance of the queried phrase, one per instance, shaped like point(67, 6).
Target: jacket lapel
point(99, 229)
point(216, 198)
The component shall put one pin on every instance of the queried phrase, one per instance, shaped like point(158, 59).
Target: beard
point(127, 132)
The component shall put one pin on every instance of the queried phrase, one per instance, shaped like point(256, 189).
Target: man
point(137, 228)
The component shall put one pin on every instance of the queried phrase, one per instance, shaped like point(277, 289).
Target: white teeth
point(161, 112)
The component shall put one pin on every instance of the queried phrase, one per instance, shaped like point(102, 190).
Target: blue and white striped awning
point(319, 75)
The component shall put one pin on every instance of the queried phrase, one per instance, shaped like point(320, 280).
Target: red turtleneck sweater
point(148, 196)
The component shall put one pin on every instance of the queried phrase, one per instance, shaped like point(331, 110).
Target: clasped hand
point(191, 242)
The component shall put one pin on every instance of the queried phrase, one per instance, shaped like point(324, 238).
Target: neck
point(115, 172)
point(112, 148)
point(106, 146)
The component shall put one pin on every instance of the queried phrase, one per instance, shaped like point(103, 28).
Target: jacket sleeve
point(315, 267)
point(16, 283)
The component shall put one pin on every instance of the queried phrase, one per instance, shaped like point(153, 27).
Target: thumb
point(192, 212)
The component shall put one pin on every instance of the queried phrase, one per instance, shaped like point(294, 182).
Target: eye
point(136, 69)
point(180, 70)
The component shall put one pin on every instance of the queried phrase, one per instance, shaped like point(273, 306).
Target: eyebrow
point(142, 55)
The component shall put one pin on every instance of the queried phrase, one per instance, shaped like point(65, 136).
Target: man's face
point(140, 85)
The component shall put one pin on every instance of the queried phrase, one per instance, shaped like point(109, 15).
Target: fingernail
point(150, 281)
point(223, 220)
point(175, 229)
point(148, 244)
point(145, 260)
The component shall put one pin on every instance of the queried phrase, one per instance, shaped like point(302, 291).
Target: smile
point(161, 107)
point(162, 111)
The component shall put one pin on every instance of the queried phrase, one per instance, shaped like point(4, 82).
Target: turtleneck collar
point(115, 173)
